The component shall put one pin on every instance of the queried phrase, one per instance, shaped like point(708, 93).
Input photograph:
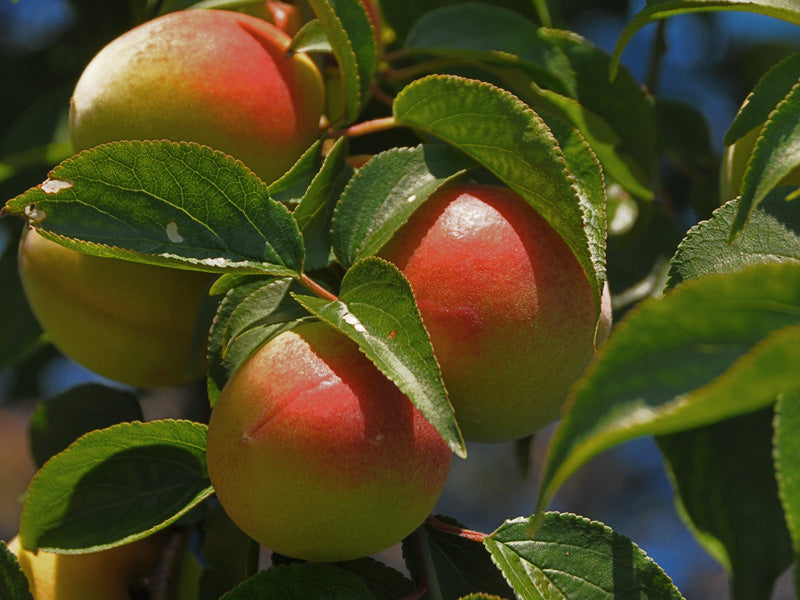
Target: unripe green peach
point(734, 164)
point(317, 455)
point(102, 575)
point(124, 320)
point(215, 77)
point(509, 310)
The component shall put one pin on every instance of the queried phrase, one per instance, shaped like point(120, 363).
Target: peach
point(509, 310)
point(317, 455)
point(102, 575)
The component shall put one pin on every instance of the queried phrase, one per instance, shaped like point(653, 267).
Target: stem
point(365, 128)
point(318, 290)
point(414, 71)
point(418, 593)
point(543, 12)
point(381, 96)
point(657, 57)
point(467, 534)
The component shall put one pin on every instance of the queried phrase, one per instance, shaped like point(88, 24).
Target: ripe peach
point(317, 455)
point(215, 77)
point(102, 575)
point(283, 15)
point(126, 321)
point(508, 308)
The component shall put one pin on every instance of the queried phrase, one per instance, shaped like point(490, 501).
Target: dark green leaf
point(352, 39)
point(62, 419)
point(292, 186)
point(384, 582)
point(774, 157)
point(773, 87)
point(385, 192)
point(20, 334)
point(302, 581)
point(571, 558)
point(115, 486)
point(772, 234)
point(710, 349)
point(315, 211)
point(661, 9)
point(511, 140)
point(230, 554)
point(787, 467)
point(724, 478)
point(376, 309)
point(252, 313)
point(13, 583)
point(462, 566)
point(164, 203)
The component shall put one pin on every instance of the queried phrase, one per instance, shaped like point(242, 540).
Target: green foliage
point(13, 583)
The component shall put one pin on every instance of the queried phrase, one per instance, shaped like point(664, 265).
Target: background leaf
point(302, 581)
point(384, 193)
point(351, 37)
point(376, 309)
point(508, 138)
point(787, 457)
point(462, 566)
point(116, 485)
point(661, 9)
point(724, 478)
point(710, 349)
point(164, 203)
point(13, 583)
point(772, 234)
point(62, 419)
point(572, 558)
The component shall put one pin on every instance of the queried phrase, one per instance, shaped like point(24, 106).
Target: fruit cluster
point(312, 450)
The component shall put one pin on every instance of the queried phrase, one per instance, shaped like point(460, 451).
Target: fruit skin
point(103, 575)
point(284, 16)
point(317, 455)
point(215, 77)
point(508, 308)
point(124, 320)
point(734, 164)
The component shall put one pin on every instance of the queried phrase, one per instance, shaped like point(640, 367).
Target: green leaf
point(20, 334)
point(774, 157)
point(251, 314)
point(302, 581)
point(511, 140)
point(311, 38)
point(116, 485)
point(772, 234)
point(62, 419)
point(314, 213)
point(352, 39)
point(376, 309)
point(230, 554)
point(787, 459)
point(383, 581)
point(571, 558)
point(724, 477)
point(384, 193)
point(164, 203)
point(773, 87)
point(563, 73)
point(292, 186)
point(653, 10)
point(710, 349)
point(13, 583)
point(462, 566)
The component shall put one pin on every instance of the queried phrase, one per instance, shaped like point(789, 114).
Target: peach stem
point(469, 534)
point(365, 128)
point(318, 290)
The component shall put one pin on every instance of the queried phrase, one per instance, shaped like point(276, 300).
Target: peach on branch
point(314, 453)
point(509, 310)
